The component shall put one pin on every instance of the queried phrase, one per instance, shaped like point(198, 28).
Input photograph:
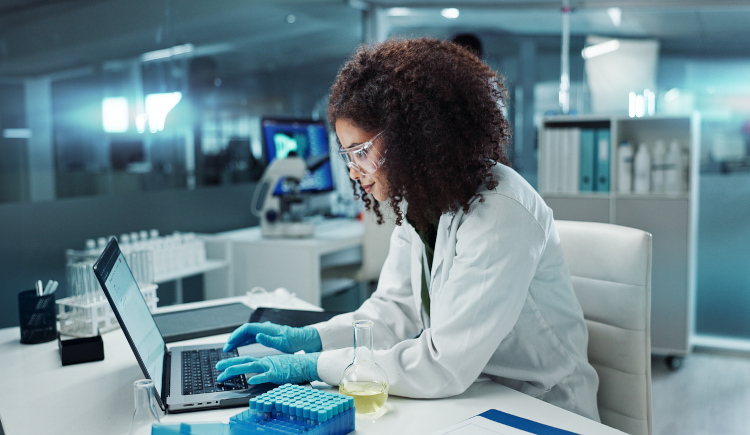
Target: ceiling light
point(399, 12)
point(166, 52)
point(615, 14)
point(115, 114)
point(157, 108)
point(451, 13)
point(291, 18)
point(17, 133)
point(672, 94)
point(600, 49)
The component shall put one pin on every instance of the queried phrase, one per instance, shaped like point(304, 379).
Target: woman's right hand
point(280, 337)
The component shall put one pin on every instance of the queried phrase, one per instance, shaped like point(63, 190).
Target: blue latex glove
point(280, 337)
point(278, 369)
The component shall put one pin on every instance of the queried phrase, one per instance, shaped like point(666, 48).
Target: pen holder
point(37, 317)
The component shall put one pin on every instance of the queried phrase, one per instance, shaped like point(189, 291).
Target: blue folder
point(603, 158)
point(523, 424)
point(587, 167)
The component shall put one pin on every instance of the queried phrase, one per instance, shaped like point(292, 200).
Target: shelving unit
point(672, 219)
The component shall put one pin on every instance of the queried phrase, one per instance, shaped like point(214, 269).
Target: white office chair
point(611, 270)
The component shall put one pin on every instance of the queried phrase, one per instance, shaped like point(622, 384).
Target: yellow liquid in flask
point(368, 396)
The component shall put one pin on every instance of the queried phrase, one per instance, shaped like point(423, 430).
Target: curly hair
point(438, 106)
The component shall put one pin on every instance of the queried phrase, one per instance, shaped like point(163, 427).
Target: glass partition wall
point(107, 98)
point(112, 97)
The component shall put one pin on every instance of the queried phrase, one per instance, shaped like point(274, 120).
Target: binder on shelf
point(587, 160)
point(603, 158)
point(563, 167)
point(554, 160)
point(543, 153)
point(573, 162)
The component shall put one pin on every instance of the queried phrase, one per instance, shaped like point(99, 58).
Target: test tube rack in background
point(86, 312)
point(154, 256)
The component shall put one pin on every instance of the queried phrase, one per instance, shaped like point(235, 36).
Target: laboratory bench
point(40, 396)
point(292, 263)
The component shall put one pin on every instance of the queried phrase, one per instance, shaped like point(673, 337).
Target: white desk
point(39, 396)
point(291, 263)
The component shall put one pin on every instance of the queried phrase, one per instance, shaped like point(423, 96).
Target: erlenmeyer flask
point(364, 380)
point(145, 411)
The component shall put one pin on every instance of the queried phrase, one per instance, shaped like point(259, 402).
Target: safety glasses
point(364, 157)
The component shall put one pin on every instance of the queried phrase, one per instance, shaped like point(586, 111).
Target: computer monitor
point(307, 138)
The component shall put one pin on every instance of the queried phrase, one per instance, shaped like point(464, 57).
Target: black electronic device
point(201, 322)
point(294, 318)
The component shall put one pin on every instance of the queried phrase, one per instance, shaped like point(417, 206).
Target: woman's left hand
point(279, 369)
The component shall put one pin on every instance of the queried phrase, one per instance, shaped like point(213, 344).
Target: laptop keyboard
point(199, 372)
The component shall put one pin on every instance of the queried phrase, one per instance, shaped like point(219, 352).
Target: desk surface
point(42, 397)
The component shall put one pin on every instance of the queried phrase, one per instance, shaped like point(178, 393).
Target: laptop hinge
point(166, 375)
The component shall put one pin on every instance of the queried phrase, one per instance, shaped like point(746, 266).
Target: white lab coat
point(501, 301)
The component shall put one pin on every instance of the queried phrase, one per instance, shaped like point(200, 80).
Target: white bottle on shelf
point(673, 168)
point(625, 167)
point(642, 170)
point(657, 167)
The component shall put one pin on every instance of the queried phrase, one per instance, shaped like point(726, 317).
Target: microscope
point(282, 215)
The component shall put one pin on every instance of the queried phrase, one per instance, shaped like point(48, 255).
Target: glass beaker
point(364, 380)
point(145, 413)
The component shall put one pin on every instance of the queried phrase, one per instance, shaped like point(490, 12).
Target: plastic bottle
point(657, 167)
point(673, 168)
point(642, 170)
point(625, 167)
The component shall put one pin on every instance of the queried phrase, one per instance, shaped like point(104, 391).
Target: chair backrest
point(611, 270)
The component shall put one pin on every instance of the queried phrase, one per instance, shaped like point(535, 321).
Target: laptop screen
point(134, 315)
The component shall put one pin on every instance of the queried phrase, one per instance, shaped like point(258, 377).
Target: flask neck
point(144, 396)
point(362, 341)
point(145, 413)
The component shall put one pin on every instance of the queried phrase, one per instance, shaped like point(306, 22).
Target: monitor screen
point(134, 315)
point(308, 139)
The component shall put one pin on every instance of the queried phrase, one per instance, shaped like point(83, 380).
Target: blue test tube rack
point(293, 409)
point(285, 410)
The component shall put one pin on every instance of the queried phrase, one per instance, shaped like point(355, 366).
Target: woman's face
point(351, 136)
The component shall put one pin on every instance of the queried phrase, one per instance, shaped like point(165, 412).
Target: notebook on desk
point(185, 376)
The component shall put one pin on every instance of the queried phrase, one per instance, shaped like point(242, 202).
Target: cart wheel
point(674, 363)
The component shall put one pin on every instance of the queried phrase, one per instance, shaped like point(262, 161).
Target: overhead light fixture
point(615, 14)
point(672, 94)
point(600, 49)
point(399, 12)
point(167, 52)
point(291, 18)
point(158, 106)
point(17, 133)
point(115, 114)
point(451, 13)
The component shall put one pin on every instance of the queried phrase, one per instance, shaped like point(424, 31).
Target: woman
point(475, 283)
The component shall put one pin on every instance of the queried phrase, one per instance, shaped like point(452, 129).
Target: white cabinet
point(670, 217)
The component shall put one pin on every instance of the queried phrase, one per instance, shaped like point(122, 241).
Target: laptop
point(184, 376)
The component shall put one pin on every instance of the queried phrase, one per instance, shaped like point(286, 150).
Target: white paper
point(480, 426)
